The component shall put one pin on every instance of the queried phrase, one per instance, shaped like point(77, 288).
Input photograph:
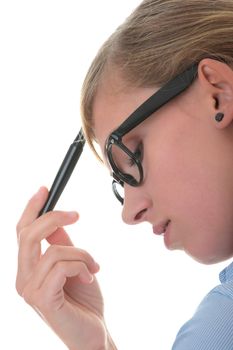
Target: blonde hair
point(159, 40)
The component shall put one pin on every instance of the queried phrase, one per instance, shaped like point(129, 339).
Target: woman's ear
point(216, 79)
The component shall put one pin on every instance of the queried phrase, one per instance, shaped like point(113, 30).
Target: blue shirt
point(211, 327)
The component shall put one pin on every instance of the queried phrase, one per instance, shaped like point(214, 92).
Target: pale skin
point(187, 162)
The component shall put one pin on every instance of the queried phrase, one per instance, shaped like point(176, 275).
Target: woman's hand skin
point(59, 284)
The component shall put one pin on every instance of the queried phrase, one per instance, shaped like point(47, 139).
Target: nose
point(136, 205)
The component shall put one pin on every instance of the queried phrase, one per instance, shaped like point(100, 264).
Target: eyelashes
point(138, 154)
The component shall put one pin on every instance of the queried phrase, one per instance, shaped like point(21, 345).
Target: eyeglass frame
point(162, 96)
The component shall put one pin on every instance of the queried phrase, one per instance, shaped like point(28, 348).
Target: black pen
point(64, 172)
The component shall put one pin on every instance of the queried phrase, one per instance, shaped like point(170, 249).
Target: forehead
point(115, 100)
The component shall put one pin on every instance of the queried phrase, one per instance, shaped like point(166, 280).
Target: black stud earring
point(219, 117)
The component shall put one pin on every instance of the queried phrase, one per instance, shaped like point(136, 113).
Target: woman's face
point(187, 164)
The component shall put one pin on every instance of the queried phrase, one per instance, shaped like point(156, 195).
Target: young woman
point(158, 100)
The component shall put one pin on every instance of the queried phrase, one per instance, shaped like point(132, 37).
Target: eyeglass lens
point(125, 163)
point(118, 190)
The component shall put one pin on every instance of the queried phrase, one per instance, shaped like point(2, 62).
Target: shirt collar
point(227, 274)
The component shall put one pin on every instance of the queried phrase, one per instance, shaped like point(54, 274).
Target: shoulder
point(211, 327)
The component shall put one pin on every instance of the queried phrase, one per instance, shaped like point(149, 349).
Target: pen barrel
point(63, 175)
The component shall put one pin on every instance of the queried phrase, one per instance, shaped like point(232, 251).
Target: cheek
point(204, 224)
point(191, 190)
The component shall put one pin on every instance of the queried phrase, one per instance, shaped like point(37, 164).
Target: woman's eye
point(130, 162)
point(138, 154)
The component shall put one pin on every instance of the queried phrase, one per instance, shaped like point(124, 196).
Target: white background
point(45, 50)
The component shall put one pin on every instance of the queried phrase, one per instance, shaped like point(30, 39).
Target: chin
point(208, 259)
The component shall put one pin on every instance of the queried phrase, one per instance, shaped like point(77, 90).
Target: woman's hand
point(59, 284)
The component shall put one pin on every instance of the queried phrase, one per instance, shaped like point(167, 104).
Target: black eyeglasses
point(126, 165)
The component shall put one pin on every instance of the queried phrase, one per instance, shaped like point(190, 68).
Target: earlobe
point(219, 117)
point(223, 120)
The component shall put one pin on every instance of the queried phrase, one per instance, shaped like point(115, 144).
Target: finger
point(56, 278)
point(53, 255)
point(30, 238)
point(51, 294)
point(32, 209)
point(45, 226)
point(60, 237)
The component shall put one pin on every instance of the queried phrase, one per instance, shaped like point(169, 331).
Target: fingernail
point(97, 266)
point(73, 214)
point(38, 192)
point(90, 278)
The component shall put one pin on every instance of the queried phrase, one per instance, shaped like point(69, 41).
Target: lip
point(161, 228)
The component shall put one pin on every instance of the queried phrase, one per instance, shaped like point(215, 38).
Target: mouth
point(160, 229)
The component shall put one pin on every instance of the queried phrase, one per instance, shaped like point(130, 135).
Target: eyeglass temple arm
point(161, 97)
point(71, 158)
